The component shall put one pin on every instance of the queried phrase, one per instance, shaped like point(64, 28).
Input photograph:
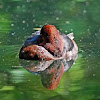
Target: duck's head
point(49, 30)
point(51, 40)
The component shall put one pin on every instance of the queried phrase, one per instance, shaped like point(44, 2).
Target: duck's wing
point(68, 44)
point(33, 39)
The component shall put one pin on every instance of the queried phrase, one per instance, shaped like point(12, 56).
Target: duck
point(48, 44)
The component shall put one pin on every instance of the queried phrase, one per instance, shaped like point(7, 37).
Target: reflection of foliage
point(8, 56)
point(69, 16)
point(4, 27)
point(4, 23)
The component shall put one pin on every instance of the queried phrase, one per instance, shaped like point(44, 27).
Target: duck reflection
point(50, 71)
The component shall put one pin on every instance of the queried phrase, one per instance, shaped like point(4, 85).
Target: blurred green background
point(18, 18)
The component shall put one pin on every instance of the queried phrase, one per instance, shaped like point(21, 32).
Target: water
point(19, 19)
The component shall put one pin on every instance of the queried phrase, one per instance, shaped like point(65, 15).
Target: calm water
point(20, 18)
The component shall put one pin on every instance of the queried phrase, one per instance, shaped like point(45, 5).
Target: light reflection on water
point(17, 20)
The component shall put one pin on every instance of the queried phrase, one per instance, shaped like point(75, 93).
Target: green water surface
point(18, 20)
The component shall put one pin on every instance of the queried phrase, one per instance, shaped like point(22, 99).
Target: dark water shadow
point(50, 71)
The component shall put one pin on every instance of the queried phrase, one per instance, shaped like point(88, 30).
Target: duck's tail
point(71, 36)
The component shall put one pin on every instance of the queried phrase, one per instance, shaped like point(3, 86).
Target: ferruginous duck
point(48, 44)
